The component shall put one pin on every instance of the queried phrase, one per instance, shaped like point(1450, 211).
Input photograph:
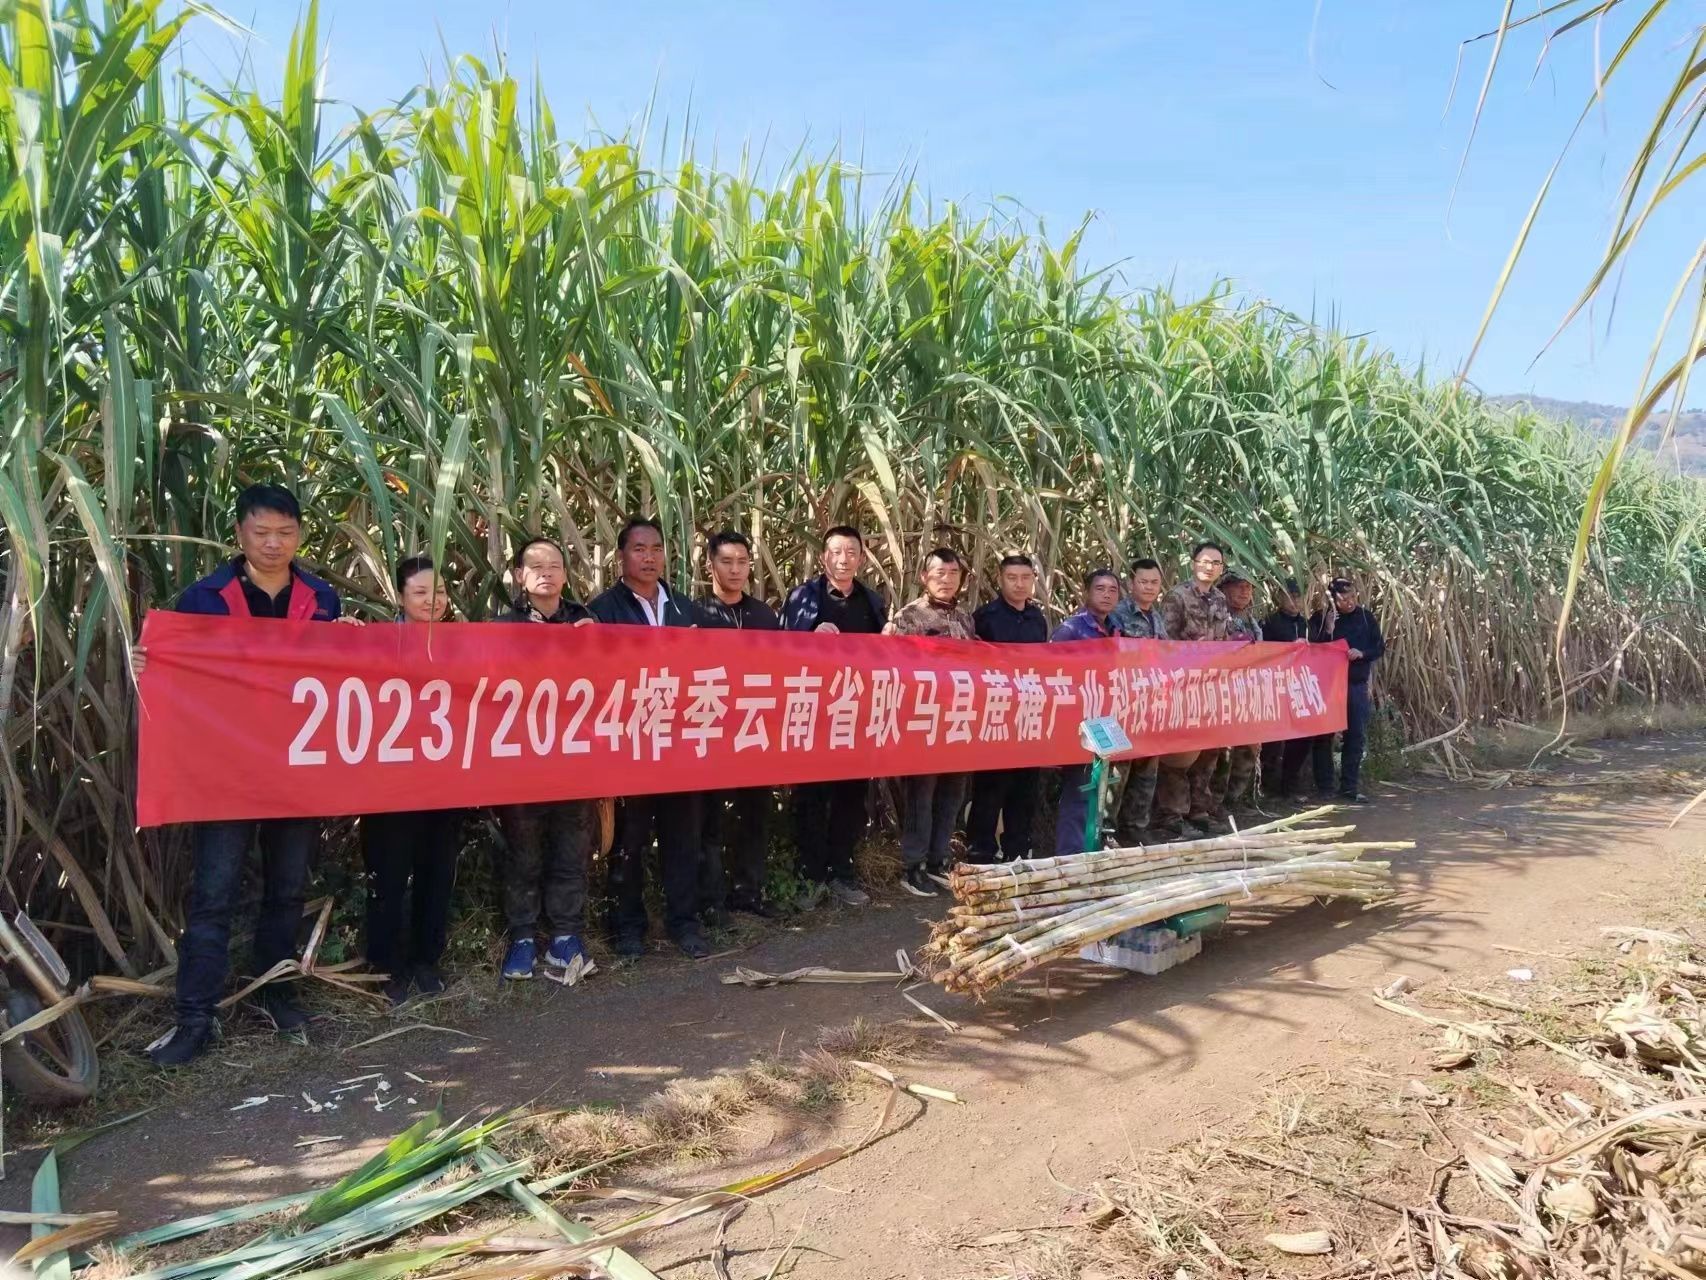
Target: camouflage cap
point(1232, 578)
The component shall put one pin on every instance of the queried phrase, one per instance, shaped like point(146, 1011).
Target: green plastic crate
point(1197, 921)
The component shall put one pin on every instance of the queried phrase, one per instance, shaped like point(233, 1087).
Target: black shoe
point(428, 980)
point(630, 944)
point(184, 1043)
point(917, 881)
point(692, 942)
point(1352, 797)
point(715, 918)
point(396, 990)
point(1209, 824)
point(753, 906)
point(279, 1003)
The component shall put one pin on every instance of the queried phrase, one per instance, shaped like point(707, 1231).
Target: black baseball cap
point(1291, 587)
point(1338, 585)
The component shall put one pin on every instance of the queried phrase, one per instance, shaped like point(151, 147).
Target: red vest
point(302, 600)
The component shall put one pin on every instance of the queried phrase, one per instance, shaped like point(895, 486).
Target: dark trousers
point(829, 822)
point(931, 804)
point(1282, 765)
point(1072, 819)
point(398, 847)
point(220, 852)
point(544, 871)
point(1007, 797)
point(674, 820)
point(737, 845)
point(1352, 743)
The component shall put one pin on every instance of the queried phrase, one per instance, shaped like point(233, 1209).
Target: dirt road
point(1061, 1079)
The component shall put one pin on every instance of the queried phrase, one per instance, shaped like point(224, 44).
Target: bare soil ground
point(1065, 1076)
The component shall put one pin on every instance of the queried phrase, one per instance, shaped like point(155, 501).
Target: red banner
point(263, 719)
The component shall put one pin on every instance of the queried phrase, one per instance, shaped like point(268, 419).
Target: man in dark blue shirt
point(1345, 619)
point(1007, 798)
point(264, 581)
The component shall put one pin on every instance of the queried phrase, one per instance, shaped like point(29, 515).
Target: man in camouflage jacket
point(931, 803)
point(1234, 782)
point(1193, 610)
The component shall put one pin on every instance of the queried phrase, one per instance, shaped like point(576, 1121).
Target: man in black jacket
point(1345, 619)
point(736, 832)
point(1007, 797)
point(642, 598)
point(830, 817)
point(1282, 762)
point(547, 845)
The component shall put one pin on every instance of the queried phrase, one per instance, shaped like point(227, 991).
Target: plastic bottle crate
point(1150, 949)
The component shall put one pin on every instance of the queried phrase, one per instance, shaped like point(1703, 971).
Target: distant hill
point(1687, 448)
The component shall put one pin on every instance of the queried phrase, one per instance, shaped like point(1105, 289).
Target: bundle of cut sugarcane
point(1007, 919)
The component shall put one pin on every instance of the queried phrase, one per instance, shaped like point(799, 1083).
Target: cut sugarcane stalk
point(1009, 919)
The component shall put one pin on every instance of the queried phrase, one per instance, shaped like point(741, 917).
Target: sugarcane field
point(889, 643)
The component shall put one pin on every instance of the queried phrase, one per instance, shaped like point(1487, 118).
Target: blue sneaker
point(518, 960)
point(563, 950)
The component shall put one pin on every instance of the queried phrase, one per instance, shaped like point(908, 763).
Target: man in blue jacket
point(264, 581)
point(1093, 621)
point(641, 598)
point(1345, 619)
point(830, 817)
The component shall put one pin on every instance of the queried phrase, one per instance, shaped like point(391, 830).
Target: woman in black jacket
point(407, 942)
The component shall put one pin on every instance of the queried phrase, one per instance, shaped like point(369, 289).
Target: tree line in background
point(446, 326)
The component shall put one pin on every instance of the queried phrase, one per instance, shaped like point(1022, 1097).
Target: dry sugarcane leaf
point(316, 936)
point(1487, 1031)
point(946, 1024)
point(894, 1082)
point(1428, 1097)
point(1481, 1256)
point(1539, 1143)
point(744, 977)
point(41, 1018)
point(107, 984)
point(94, 1227)
point(1572, 1201)
point(1491, 1169)
point(1304, 1243)
point(413, 1026)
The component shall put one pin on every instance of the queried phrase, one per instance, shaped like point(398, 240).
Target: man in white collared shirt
point(641, 598)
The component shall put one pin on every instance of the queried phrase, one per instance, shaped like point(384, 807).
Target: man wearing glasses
point(1345, 619)
point(737, 823)
point(1193, 610)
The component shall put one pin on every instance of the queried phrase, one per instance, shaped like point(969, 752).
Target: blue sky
point(1209, 138)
